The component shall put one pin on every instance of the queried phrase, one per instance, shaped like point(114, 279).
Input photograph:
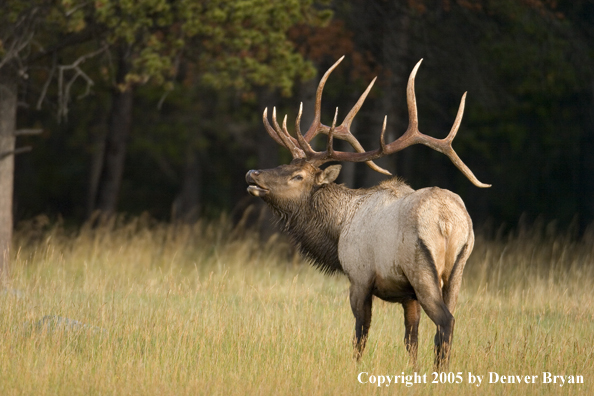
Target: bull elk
point(391, 241)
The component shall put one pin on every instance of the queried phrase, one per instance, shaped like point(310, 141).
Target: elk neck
point(315, 224)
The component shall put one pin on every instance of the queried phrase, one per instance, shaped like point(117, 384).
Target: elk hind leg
point(412, 317)
point(438, 312)
point(443, 337)
point(451, 285)
point(428, 291)
point(361, 299)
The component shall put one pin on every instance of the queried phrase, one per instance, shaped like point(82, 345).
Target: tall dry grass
point(185, 310)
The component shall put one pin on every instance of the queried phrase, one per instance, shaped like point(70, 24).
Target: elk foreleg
point(412, 317)
point(361, 299)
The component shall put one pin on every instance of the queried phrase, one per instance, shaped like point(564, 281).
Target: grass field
point(179, 310)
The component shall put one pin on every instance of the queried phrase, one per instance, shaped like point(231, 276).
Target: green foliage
point(237, 44)
point(231, 43)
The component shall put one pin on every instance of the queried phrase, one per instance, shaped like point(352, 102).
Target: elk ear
point(328, 175)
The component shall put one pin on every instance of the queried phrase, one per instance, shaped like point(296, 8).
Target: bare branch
point(16, 47)
point(163, 97)
point(22, 32)
point(26, 132)
point(47, 82)
point(18, 151)
point(64, 96)
point(72, 11)
point(90, 83)
point(88, 56)
point(64, 91)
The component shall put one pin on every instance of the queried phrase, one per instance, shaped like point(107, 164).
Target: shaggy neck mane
point(315, 224)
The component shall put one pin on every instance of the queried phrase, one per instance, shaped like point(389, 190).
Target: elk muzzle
point(254, 187)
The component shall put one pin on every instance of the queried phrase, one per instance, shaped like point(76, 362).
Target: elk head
point(297, 180)
point(288, 186)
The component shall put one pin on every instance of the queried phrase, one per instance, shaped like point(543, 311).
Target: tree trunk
point(186, 206)
point(114, 151)
point(586, 170)
point(390, 23)
point(396, 55)
point(97, 134)
point(8, 106)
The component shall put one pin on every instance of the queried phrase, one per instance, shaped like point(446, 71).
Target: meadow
point(165, 309)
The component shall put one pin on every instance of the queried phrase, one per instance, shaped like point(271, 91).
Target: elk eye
point(297, 177)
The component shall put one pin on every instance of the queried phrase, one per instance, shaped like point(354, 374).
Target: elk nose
point(251, 174)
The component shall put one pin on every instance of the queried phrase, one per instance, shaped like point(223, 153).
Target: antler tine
point(411, 99)
point(314, 129)
point(453, 156)
point(305, 146)
point(285, 131)
point(382, 142)
point(287, 140)
point(458, 120)
point(294, 144)
point(329, 146)
point(348, 120)
point(273, 134)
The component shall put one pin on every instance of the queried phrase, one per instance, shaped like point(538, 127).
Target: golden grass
point(197, 310)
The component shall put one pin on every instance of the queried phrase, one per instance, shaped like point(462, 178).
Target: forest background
point(156, 106)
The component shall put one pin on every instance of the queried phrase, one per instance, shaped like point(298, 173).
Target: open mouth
point(253, 187)
point(257, 191)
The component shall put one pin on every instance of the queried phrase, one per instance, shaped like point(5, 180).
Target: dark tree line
point(53, 52)
point(193, 127)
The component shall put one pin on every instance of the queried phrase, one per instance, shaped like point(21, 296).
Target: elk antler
point(300, 147)
point(341, 132)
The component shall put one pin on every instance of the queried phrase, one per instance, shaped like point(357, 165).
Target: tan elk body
point(391, 241)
